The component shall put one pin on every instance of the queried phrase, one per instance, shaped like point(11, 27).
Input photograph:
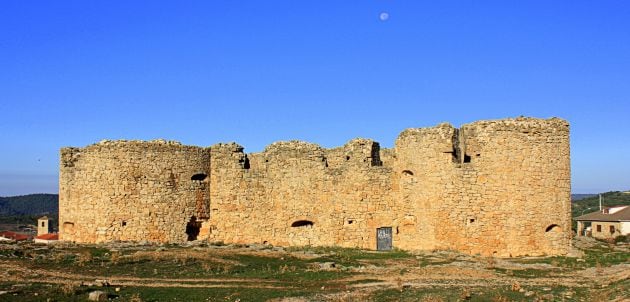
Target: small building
point(13, 236)
point(608, 223)
point(47, 238)
point(43, 225)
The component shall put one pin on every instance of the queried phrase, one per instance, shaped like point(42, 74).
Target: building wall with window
point(498, 187)
point(606, 230)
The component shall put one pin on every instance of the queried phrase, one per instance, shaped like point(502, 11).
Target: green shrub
point(621, 238)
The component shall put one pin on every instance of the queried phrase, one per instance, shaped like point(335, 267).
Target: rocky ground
point(597, 271)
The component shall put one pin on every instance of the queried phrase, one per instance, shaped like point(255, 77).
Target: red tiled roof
point(13, 235)
point(621, 215)
point(48, 237)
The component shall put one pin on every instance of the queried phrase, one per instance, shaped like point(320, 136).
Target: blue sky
point(201, 72)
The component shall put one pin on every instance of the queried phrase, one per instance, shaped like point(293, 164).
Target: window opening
point(553, 227)
point(302, 223)
point(244, 162)
point(599, 228)
point(407, 172)
point(199, 176)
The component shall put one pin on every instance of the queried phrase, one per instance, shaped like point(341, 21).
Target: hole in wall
point(192, 228)
point(467, 158)
point(302, 223)
point(478, 155)
point(347, 157)
point(471, 220)
point(199, 176)
point(68, 226)
point(246, 163)
point(407, 172)
point(553, 227)
point(123, 223)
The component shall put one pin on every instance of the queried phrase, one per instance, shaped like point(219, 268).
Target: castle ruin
point(499, 187)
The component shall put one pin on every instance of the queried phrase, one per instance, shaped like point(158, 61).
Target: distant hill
point(30, 205)
point(591, 204)
point(576, 197)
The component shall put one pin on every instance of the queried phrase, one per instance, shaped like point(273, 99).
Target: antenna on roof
point(600, 202)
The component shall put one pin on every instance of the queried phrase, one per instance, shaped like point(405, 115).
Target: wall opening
point(376, 155)
point(554, 228)
point(456, 153)
point(407, 172)
point(124, 223)
point(199, 176)
point(68, 227)
point(302, 223)
point(192, 228)
point(244, 162)
point(347, 157)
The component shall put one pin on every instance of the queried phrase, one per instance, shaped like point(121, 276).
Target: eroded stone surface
point(499, 187)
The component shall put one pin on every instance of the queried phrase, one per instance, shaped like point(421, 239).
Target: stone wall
point(130, 190)
point(497, 187)
point(605, 227)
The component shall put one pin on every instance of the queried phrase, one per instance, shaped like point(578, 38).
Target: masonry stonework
point(499, 187)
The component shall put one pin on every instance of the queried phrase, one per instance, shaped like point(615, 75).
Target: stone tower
point(43, 225)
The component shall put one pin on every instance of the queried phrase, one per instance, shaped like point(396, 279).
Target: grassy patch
point(351, 256)
point(596, 256)
point(44, 292)
point(479, 294)
point(525, 273)
point(205, 294)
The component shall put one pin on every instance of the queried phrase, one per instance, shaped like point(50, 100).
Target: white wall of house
point(625, 227)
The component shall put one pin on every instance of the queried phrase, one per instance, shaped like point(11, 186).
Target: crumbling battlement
point(499, 187)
